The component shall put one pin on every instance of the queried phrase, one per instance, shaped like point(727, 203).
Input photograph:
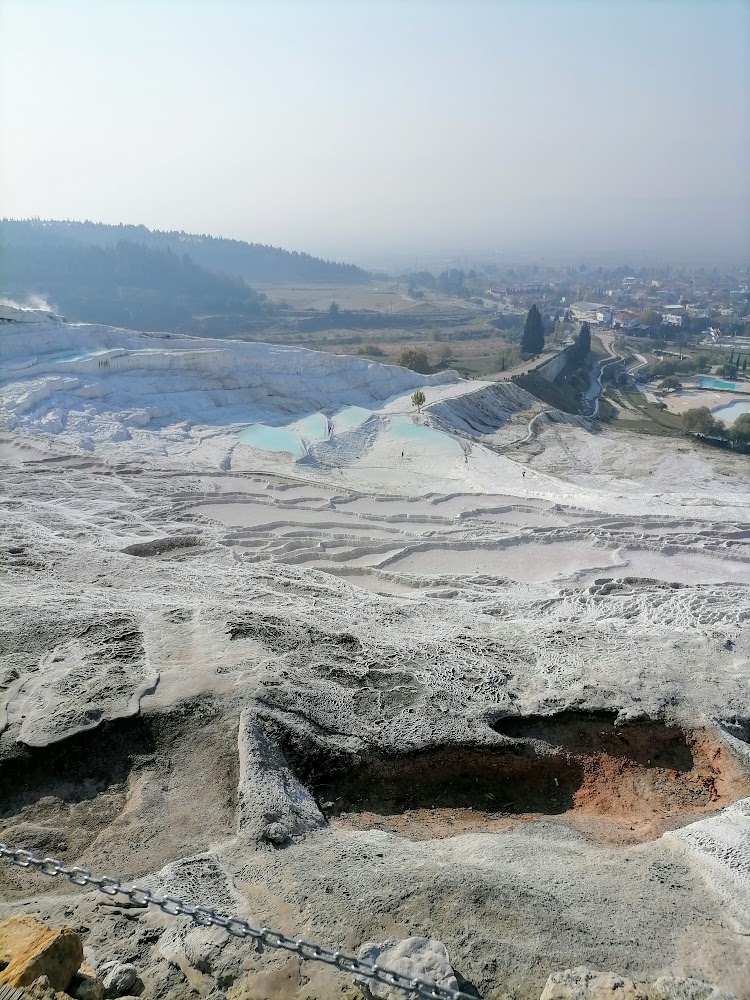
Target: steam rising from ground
point(31, 302)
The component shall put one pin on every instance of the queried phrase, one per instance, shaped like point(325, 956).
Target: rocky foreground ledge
point(47, 963)
point(40, 962)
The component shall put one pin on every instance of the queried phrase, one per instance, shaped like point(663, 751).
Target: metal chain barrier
point(6, 993)
point(235, 926)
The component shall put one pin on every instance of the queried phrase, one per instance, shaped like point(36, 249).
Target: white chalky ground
point(198, 529)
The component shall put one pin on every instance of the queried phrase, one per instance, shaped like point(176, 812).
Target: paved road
point(594, 391)
point(642, 362)
point(524, 368)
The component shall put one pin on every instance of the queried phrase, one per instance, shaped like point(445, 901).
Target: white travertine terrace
point(200, 637)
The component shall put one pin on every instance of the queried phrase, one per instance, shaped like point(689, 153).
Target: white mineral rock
point(424, 958)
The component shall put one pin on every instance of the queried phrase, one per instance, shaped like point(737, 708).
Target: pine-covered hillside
point(254, 262)
point(127, 285)
point(132, 277)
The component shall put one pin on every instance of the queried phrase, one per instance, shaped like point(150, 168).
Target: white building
point(671, 319)
point(590, 312)
point(625, 320)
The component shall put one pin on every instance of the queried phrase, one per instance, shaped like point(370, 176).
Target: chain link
point(235, 926)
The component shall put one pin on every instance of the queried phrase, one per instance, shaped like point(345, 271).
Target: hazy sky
point(353, 128)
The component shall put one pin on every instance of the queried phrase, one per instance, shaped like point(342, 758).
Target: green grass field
point(655, 420)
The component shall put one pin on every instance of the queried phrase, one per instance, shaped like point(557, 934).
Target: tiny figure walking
point(523, 474)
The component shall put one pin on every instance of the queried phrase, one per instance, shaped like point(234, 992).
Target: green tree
point(452, 282)
point(739, 432)
point(582, 345)
point(416, 360)
point(418, 399)
point(671, 382)
point(584, 339)
point(532, 341)
point(700, 420)
point(334, 309)
point(650, 318)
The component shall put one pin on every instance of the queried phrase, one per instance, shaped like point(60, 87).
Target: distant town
point(660, 303)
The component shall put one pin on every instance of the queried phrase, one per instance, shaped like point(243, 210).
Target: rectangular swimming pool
point(716, 383)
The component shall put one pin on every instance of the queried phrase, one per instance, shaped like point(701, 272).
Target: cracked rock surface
point(356, 703)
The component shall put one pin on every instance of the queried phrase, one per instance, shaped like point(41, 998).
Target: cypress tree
point(532, 341)
point(582, 344)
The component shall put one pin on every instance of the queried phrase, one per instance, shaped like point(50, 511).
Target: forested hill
point(127, 284)
point(254, 262)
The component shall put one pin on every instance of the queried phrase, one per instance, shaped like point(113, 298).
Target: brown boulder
point(29, 949)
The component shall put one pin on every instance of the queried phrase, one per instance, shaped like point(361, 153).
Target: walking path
point(594, 391)
point(525, 367)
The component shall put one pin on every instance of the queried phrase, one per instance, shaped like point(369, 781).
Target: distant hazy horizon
point(372, 131)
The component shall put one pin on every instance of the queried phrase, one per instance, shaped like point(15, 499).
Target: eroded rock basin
point(616, 783)
point(120, 797)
